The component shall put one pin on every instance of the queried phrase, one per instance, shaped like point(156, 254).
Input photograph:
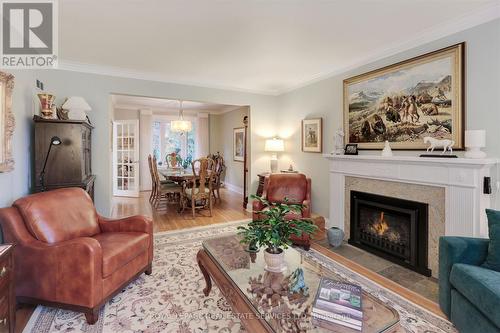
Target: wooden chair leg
point(210, 204)
point(193, 207)
point(149, 270)
point(92, 316)
point(218, 193)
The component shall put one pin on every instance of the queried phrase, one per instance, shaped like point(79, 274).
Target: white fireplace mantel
point(462, 179)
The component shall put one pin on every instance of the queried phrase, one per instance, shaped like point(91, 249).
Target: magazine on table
point(338, 303)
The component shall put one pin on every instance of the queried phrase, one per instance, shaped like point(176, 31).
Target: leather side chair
point(68, 256)
point(296, 187)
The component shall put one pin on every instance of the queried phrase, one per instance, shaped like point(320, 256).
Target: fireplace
point(391, 228)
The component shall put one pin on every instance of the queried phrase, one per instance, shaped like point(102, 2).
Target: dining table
point(178, 175)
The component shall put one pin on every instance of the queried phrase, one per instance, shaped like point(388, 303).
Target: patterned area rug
point(171, 299)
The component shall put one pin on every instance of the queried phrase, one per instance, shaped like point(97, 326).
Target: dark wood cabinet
point(69, 164)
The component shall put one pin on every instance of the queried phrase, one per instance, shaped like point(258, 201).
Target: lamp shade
point(77, 107)
point(274, 145)
point(475, 138)
point(181, 125)
point(76, 103)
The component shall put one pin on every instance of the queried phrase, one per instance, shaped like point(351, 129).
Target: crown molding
point(145, 112)
point(482, 15)
point(173, 111)
point(75, 66)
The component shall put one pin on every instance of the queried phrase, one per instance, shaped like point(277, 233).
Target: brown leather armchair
point(296, 187)
point(68, 256)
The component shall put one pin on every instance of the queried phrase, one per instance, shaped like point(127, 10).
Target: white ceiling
point(168, 106)
point(254, 45)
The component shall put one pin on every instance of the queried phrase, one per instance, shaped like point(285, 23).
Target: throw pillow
point(493, 258)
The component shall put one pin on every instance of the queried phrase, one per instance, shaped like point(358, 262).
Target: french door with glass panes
point(126, 158)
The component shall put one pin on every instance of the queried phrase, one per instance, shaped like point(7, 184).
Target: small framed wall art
point(239, 144)
point(312, 135)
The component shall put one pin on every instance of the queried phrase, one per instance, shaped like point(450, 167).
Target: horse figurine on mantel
point(435, 143)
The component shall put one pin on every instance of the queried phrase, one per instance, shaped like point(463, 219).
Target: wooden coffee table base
point(253, 322)
point(241, 309)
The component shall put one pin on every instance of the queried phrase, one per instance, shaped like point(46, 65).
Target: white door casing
point(126, 173)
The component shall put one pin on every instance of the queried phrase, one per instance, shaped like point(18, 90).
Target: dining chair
point(153, 182)
point(219, 168)
point(197, 191)
point(167, 190)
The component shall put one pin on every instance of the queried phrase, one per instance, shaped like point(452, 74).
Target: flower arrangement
point(173, 159)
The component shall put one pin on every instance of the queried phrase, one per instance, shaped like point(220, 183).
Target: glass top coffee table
point(260, 299)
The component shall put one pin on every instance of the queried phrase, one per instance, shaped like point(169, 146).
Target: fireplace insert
point(391, 228)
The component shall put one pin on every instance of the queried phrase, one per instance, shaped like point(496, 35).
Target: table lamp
point(274, 145)
point(474, 141)
point(77, 108)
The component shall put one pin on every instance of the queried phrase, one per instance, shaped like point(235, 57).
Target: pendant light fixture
point(181, 125)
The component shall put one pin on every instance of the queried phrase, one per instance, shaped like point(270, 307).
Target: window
point(165, 142)
point(156, 142)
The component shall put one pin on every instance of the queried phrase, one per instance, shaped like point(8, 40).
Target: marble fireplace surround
point(431, 195)
point(453, 188)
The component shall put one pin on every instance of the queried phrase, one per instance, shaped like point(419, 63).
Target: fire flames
point(380, 227)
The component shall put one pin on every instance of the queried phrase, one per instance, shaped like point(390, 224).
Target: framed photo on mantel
point(408, 101)
point(312, 135)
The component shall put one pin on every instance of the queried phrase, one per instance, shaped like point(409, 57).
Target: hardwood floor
point(166, 217)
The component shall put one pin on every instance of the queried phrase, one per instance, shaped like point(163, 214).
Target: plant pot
point(275, 262)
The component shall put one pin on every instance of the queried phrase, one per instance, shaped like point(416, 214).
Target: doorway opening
point(144, 126)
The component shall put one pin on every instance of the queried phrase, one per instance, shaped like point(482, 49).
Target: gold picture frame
point(404, 102)
point(7, 122)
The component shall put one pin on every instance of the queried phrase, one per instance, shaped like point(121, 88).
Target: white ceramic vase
point(275, 262)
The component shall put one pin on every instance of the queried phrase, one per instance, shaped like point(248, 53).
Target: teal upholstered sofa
point(468, 293)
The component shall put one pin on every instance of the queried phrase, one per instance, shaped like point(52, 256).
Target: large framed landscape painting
point(407, 101)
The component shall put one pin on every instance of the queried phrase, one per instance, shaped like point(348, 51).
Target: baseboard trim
point(396, 288)
point(234, 188)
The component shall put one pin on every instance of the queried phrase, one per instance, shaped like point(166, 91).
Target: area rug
point(171, 299)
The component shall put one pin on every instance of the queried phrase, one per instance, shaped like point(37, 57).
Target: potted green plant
point(272, 231)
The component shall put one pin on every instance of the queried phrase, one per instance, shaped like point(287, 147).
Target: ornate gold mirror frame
point(7, 122)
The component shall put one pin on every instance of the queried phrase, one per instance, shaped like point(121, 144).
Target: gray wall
point(96, 89)
point(324, 99)
point(269, 115)
point(16, 183)
point(221, 140)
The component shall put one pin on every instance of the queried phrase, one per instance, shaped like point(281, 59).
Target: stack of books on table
point(337, 303)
